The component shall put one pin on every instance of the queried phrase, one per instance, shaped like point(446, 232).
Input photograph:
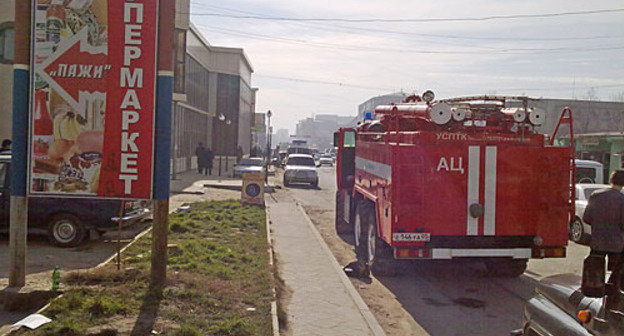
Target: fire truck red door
point(532, 192)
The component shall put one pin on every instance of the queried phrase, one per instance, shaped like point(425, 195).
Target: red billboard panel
point(93, 98)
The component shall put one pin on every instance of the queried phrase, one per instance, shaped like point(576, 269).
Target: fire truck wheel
point(506, 267)
point(363, 217)
point(577, 233)
point(370, 250)
point(341, 225)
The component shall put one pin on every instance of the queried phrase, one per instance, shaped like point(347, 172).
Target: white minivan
point(588, 171)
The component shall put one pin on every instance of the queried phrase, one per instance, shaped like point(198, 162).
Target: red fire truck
point(457, 178)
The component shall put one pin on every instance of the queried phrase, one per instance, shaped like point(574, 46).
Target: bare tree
point(617, 97)
point(591, 94)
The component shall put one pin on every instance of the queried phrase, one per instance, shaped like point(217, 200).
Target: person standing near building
point(6, 146)
point(209, 158)
point(200, 153)
point(605, 214)
point(239, 154)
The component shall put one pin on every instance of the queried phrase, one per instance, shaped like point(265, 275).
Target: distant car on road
point(300, 168)
point(249, 165)
point(326, 159)
point(554, 310)
point(580, 232)
point(67, 221)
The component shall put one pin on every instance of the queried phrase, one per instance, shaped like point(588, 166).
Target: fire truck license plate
point(411, 236)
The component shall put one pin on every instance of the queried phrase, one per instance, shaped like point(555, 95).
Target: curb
point(274, 318)
point(368, 316)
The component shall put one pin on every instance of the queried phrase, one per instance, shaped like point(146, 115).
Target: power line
point(314, 81)
point(385, 20)
point(323, 26)
point(519, 51)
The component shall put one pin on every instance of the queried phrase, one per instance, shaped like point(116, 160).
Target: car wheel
point(315, 184)
point(506, 267)
point(286, 183)
point(66, 230)
point(577, 233)
point(341, 225)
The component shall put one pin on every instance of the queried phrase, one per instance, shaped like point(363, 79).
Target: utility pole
point(162, 148)
point(19, 201)
point(268, 147)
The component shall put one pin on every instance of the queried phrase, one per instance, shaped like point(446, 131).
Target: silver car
point(300, 168)
point(580, 232)
point(248, 165)
point(554, 310)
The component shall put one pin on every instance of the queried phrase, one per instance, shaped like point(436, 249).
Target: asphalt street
point(437, 298)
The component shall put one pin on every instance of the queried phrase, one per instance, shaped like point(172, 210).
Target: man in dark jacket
point(200, 152)
point(605, 214)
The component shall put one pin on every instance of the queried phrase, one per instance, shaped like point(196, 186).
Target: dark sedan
point(67, 221)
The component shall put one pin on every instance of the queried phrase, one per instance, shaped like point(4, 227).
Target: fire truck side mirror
point(337, 139)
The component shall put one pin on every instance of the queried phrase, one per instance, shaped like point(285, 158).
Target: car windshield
point(301, 161)
point(251, 162)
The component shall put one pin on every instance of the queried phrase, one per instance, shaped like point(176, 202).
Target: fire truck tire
point(341, 225)
point(506, 267)
point(370, 249)
point(577, 233)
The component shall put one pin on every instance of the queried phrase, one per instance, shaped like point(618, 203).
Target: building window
point(179, 58)
point(7, 44)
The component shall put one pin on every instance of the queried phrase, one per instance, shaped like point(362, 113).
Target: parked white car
point(580, 232)
point(326, 159)
point(300, 168)
point(249, 165)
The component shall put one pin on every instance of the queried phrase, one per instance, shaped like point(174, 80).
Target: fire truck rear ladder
point(566, 118)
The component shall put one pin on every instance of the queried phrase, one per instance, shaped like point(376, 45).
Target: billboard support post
point(19, 201)
point(162, 143)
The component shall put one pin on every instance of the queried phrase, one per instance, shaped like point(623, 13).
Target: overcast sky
point(299, 66)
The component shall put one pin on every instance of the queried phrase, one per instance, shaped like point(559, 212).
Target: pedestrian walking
point(200, 154)
point(209, 158)
point(239, 154)
point(6, 146)
point(605, 214)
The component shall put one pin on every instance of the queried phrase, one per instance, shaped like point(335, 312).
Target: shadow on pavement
point(43, 256)
point(459, 297)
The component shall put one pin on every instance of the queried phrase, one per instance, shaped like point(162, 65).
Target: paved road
point(436, 298)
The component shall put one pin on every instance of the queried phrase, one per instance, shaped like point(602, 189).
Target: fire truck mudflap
point(481, 183)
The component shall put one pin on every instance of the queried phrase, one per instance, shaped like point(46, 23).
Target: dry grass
point(219, 282)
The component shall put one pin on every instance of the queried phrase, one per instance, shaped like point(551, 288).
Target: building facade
point(319, 131)
point(371, 104)
point(215, 105)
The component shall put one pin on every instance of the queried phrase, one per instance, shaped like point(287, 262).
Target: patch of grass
point(218, 269)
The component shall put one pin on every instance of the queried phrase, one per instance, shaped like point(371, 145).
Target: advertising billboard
point(93, 98)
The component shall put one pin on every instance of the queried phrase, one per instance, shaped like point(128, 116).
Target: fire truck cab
point(457, 178)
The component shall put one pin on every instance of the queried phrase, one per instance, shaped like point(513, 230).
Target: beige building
point(7, 39)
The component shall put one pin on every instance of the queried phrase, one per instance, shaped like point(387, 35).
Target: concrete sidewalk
point(322, 299)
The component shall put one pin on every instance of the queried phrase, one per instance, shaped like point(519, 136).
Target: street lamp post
point(268, 149)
